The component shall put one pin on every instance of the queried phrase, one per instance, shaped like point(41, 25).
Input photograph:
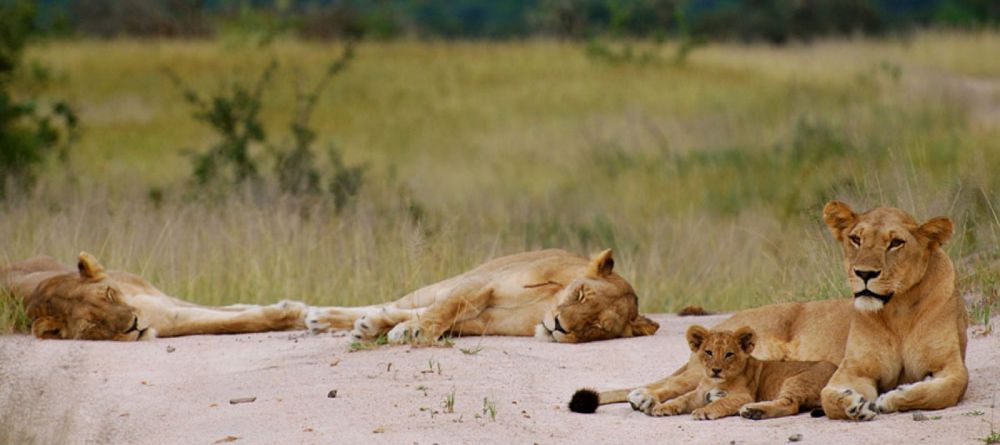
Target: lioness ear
point(47, 327)
point(838, 217)
point(937, 229)
point(642, 326)
point(89, 267)
point(747, 339)
point(696, 336)
point(602, 265)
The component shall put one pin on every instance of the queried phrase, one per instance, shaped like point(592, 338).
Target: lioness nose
point(867, 274)
point(558, 327)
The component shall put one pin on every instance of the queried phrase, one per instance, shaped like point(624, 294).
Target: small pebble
point(170, 349)
point(332, 394)
point(795, 437)
point(919, 416)
point(242, 400)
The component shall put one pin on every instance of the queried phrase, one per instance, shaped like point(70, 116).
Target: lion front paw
point(666, 409)
point(707, 413)
point(641, 399)
point(856, 406)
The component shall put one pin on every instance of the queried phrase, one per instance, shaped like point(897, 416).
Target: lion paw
point(365, 328)
point(315, 323)
point(706, 414)
point(752, 413)
point(859, 408)
point(665, 409)
point(714, 394)
point(403, 332)
point(641, 399)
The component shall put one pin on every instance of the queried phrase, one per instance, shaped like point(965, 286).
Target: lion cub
point(734, 380)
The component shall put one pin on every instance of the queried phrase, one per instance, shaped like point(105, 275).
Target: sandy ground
point(103, 392)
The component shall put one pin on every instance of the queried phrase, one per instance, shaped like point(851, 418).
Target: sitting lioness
point(733, 380)
point(89, 303)
point(903, 335)
point(552, 294)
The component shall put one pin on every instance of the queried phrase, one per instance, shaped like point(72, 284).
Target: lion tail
point(587, 400)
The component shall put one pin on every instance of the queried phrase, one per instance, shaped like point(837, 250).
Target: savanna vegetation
point(707, 178)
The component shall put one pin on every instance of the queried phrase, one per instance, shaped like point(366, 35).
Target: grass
point(449, 402)
point(707, 179)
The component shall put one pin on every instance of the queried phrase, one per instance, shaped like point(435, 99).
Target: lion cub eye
point(896, 242)
point(856, 240)
point(729, 355)
point(708, 353)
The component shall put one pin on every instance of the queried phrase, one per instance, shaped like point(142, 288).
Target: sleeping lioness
point(552, 294)
point(734, 380)
point(899, 342)
point(90, 303)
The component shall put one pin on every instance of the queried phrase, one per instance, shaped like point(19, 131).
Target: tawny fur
point(734, 380)
point(551, 293)
point(917, 339)
point(90, 303)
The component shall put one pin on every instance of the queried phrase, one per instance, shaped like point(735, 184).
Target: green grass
point(707, 179)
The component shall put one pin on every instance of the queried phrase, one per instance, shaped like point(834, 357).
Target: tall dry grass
point(707, 179)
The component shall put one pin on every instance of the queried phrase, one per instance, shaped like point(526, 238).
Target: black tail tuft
point(817, 412)
point(584, 401)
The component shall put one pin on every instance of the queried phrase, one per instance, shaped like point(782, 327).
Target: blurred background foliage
point(775, 21)
point(457, 131)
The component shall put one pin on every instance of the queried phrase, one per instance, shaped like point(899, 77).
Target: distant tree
point(30, 129)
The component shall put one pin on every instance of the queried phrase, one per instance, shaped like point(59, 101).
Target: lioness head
point(724, 354)
point(86, 305)
point(886, 251)
point(597, 305)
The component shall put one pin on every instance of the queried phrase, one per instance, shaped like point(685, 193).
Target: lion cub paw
point(706, 414)
point(858, 408)
point(666, 409)
point(641, 400)
point(753, 411)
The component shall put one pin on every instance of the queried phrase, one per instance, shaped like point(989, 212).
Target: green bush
point(30, 129)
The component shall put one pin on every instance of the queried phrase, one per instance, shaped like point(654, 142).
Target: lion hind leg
point(681, 382)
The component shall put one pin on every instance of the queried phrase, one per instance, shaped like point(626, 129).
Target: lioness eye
point(896, 243)
point(729, 355)
point(708, 353)
point(580, 294)
point(856, 240)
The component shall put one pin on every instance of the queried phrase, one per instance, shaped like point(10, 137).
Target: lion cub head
point(597, 305)
point(886, 251)
point(86, 305)
point(724, 354)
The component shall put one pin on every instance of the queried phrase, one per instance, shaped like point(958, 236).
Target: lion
point(551, 294)
point(902, 335)
point(90, 303)
point(734, 380)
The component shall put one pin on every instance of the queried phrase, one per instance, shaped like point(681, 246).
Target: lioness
point(551, 294)
point(903, 334)
point(734, 380)
point(90, 303)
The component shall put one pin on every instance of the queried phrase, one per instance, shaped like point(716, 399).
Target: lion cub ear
point(696, 335)
point(938, 229)
point(89, 267)
point(642, 326)
point(747, 338)
point(838, 217)
point(47, 327)
point(602, 265)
